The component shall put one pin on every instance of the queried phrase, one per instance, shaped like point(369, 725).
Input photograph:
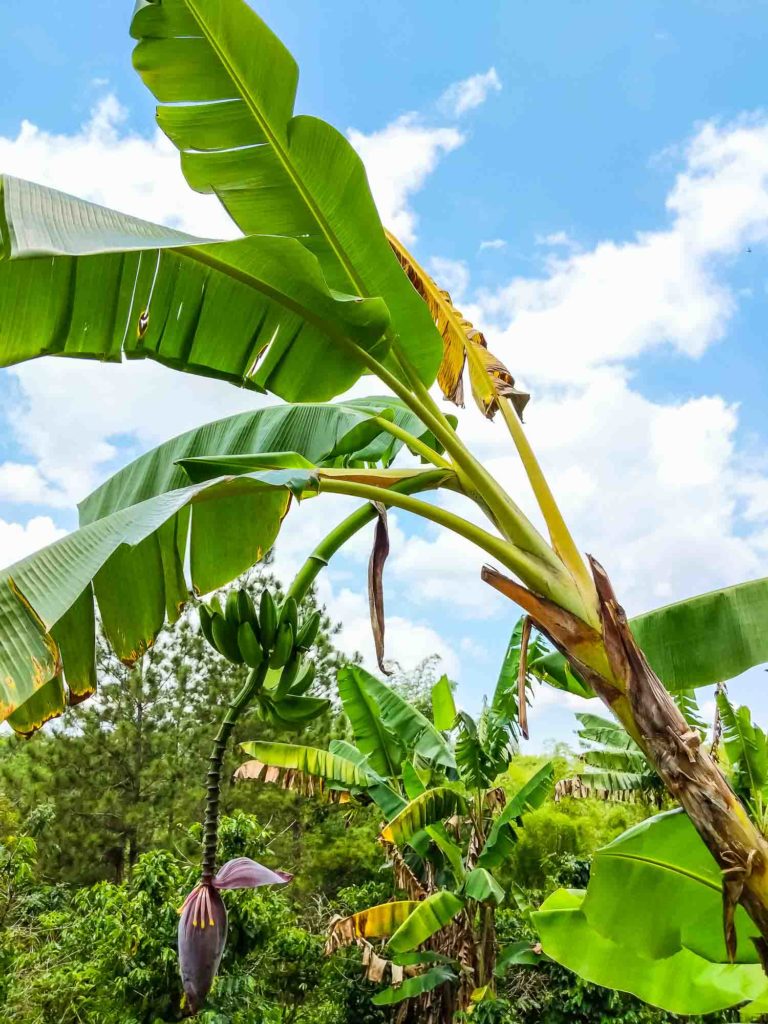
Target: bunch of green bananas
point(270, 638)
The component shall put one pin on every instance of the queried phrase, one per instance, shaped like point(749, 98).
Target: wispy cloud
point(493, 244)
point(469, 93)
point(399, 158)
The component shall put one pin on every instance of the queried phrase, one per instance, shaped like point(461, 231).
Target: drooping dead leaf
point(376, 583)
point(291, 779)
point(376, 968)
point(522, 703)
point(462, 343)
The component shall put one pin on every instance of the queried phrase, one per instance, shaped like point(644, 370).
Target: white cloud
point(451, 275)
point(20, 539)
point(408, 641)
point(470, 92)
point(556, 239)
point(492, 244)
point(107, 164)
point(399, 158)
point(23, 484)
point(613, 302)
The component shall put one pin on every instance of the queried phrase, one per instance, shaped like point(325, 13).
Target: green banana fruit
point(289, 613)
point(288, 675)
point(304, 681)
point(250, 648)
point(308, 632)
point(206, 621)
point(232, 609)
point(296, 711)
point(267, 620)
point(215, 605)
point(246, 609)
point(283, 648)
point(225, 638)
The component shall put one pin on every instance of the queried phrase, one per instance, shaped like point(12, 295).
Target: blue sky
point(591, 180)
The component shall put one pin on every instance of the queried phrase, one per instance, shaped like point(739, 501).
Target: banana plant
point(313, 296)
point(449, 825)
point(614, 766)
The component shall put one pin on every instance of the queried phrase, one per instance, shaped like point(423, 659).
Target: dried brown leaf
point(376, 583)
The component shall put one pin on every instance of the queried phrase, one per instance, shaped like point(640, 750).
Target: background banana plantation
point(186, 731)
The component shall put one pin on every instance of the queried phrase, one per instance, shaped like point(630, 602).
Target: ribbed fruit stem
point(252, 686)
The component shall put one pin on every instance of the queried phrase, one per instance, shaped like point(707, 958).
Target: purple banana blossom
point(203, 925)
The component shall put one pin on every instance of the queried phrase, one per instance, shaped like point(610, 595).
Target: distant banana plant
point(615, 768)
point(449, 825)
point(312, 297)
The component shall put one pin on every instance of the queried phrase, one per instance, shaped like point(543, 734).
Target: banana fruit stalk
point(274, 635)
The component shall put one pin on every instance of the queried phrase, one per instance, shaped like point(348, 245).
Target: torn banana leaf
point(463, 345)
point(80, 280)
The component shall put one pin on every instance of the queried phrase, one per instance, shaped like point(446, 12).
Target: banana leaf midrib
point(283, 157)
point(664, 866)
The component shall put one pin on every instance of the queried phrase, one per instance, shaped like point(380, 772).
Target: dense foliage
point(90, 882)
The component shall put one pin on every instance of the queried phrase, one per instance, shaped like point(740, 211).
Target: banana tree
point(449, 826)
point(312, 297)
point(614, 766)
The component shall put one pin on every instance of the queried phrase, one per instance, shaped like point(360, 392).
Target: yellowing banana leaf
point(432, 806)
point(412, 987)
point(227, 88)
point(309, 430)
point(501, 837)
point(377, 922)
point(309, 760)
point(428, 917)
point(79, 280)
point(462, 344)
point(650, 923)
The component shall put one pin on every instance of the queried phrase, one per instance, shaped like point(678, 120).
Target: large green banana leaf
point(650, 923)
point(80, 280)
point(227, 87)
point(373, 737)
point(133, 560)
point(404, 721)
point(430, 807)
point(320, 764)
point(703, 640)
point(316, 431)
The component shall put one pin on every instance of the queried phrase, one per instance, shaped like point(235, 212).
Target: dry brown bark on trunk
point(619, 673)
